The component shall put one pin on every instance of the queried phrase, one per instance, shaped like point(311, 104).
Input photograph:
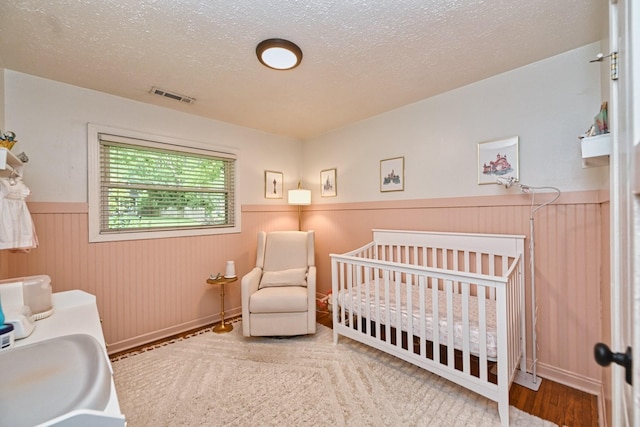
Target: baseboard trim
point(124, 345)
point(570, 379)
point(602, 408)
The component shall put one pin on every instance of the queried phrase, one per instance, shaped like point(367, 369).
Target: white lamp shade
point(299, 197)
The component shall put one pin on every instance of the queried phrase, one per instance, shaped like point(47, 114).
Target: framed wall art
point(498, 159)
point(273, 185)
point(392, 174)
point(328, 183)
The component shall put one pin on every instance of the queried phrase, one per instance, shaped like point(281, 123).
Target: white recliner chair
point(279, 294)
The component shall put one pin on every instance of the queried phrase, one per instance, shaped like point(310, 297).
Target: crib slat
point(450, 331)
point(434, 257)
point(482, 332)
point(423, 329)
point(454, 256)
point(409, 309)
point(365, 308)
point(342, 287)
point(492, 264)
point(387, 326)
point(435, 319)
point(445, 259)
point(399, 308)
point(466, 329)
point(376, 291)
point(352, 312)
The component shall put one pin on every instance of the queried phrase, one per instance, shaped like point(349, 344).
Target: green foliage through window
point(145, 188)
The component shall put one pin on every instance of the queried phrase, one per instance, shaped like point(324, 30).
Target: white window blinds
point(150, 186)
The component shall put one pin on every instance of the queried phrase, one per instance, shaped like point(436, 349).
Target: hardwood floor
point(554, 402)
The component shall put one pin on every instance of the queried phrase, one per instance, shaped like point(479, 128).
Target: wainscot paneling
point(145, 289)
point(149, 289)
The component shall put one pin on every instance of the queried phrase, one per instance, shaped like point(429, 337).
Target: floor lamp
point(299, 197)
point(531, 381)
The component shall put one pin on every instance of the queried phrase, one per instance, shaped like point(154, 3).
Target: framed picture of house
point(498, 159)
point(273, 185)
point(328, 183)
point(392, 174)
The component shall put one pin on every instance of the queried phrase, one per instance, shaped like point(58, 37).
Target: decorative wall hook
point(614, 63)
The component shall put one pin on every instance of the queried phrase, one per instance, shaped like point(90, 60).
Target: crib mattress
point(357, 304)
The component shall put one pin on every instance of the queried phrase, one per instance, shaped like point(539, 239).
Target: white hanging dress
point(16, 225)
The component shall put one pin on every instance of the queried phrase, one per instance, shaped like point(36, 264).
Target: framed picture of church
point(498, 159)
point(273, 185)
point(328, 183)
point(392, 174)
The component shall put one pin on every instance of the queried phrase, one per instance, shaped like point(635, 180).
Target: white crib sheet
point(359, 308)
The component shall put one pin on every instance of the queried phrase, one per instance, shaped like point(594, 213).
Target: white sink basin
point(47, 379)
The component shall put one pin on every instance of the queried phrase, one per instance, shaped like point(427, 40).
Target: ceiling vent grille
point(172, 95)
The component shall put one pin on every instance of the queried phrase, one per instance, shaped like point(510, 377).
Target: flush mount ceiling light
point(279, 54)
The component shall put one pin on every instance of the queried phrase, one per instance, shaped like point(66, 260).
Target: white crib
point(391, 293)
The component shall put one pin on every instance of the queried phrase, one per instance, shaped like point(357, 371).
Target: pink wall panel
point(149, 289)
point(146, 289)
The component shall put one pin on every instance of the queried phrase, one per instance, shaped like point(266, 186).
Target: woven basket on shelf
point(7, 144)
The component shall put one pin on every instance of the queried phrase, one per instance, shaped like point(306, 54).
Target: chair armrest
point(311, 280)
point(248, 286)
point(311, 295)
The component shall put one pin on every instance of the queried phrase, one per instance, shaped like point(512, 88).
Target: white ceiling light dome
point(279, 54)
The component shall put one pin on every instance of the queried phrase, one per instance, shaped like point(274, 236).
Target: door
point(625, 213)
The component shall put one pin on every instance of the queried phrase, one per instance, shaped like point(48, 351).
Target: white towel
point(16, 225)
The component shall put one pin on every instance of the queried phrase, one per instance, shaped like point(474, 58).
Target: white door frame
point(625, 211)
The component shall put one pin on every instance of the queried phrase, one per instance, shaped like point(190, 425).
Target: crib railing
point(487, 285)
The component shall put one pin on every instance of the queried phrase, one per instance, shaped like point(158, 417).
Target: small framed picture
point(328, 183)
point(273, 185)
point(498, 159)
point(392, 174)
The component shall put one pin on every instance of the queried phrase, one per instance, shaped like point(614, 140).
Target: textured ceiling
point(361, 57)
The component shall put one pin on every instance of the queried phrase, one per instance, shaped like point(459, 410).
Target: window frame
point(149, 140)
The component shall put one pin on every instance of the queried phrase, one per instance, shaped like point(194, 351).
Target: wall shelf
point(596, 150)
point(9, 162)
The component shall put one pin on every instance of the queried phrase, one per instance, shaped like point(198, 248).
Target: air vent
point(172, 95)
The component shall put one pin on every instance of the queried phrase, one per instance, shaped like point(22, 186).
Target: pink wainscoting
point(145, 289)
point(605, 295)
point(149, 289)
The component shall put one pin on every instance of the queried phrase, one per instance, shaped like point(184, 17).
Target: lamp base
point(527, 380)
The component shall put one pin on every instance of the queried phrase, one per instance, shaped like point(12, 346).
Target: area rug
point(210, 379)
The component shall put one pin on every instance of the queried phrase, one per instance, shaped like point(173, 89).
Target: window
point(143, 186)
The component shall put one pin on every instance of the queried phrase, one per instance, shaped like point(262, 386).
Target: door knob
point(604, 356)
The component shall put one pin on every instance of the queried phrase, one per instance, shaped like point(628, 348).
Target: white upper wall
point(547, 104)
point(50, 121)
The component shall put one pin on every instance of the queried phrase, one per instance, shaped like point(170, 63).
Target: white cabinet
point(596, 150)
